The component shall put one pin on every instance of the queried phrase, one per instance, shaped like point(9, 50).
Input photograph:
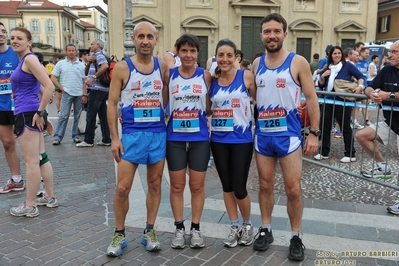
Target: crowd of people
point(171, 109)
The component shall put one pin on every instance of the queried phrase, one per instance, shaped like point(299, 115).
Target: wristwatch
point(93, 76)
point(316, 132)
point(42, 113)
point(392, 96)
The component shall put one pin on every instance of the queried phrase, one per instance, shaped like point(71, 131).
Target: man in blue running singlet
point(281, 77)
point(139, 82)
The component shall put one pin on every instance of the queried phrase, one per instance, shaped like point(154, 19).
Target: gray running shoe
point(246, 235)
point(49, 202)
point(231, 240)
point(394, 208)
point(377, 172)
point(150, 241)
point(179, 239)
point(13, 186)
point(196, 239)
point(22, 210)
point(118, 242)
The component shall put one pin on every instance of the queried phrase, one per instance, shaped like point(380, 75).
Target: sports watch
point(42, 113)
point(392, 96)
point(316, 132)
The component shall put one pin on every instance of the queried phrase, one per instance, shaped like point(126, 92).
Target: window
point(12, 24)
point(88, 36)
point(35, 26)
point(384, 23)
point(50, 41)
point(64, 23)
point(50, 26)
point(36, 39)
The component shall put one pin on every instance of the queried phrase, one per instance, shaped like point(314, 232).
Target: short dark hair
point(276, 17)
point(357, 45)
point(363, 49)
point(374, 56)
point(227, 42)
point(316, 56)
point(187, 39)
point(347, 51)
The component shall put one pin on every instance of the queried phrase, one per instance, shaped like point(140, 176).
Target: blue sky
point(79, 2)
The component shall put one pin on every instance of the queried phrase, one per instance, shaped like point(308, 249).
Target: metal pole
point(128, 43)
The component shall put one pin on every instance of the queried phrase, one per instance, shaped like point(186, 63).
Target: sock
point(16, 178)
point(296, 233)
point(247, 222)
point(148, 227)
point(383, 166)
point(235, 223)
point(180, 225)
point(268, 226)
point(119, 232)
point(195, 226)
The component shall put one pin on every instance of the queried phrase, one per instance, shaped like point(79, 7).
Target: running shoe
point(377, 172)
point(196, 239)
point(84, 144)
point(232, 237)
point(179, 239)
point(246, 235)
point(357, 126)
point(337, 135)
point(394, 208)
point(49, 202)
point(77, 140)
point(23, 210)
point(100, 143)
point(118, 242)
point(150, 241)
point(263, 239)
point(13, 186)
point(320, 157)
point(296, 249)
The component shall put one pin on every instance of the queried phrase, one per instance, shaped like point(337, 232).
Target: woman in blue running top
point(28, 81)
point(231, 139)
point(188, 138)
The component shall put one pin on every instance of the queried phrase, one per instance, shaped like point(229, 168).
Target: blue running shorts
point(276, 146)
point(144, 147)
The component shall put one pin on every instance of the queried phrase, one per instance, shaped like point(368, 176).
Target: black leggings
point(232, 163)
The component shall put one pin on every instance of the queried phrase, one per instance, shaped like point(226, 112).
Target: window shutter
point(31, 26)
point(388, 22)
point(46, 24)
point(38, 26)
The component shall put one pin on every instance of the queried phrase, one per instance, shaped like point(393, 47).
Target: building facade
point(312, 24)
point(388, 17)
point(53, 26)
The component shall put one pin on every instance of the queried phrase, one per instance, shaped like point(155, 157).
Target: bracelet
point(85, 95)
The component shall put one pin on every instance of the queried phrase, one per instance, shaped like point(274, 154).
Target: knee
point(8, 144)
point(241, 194)
point(360, 137)
point(122, 190)
point(266, 186)
point(197, 189)
point(155, 185)
point(293, 192)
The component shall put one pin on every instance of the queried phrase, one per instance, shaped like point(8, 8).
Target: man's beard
point(274, 50)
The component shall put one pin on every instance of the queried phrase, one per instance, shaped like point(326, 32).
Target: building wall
point(393, 33)
point(325, 22)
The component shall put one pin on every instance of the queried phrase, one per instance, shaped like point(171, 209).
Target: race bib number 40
point(147, 110)
point(273, 120)
point(222, 120)
point(186, 121)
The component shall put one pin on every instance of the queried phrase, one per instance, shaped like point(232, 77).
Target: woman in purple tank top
point(28, 81)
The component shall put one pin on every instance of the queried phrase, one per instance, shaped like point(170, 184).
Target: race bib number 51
point(147, 110)
point(273, 120)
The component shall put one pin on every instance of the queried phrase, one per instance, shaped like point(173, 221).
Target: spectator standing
point(70, 72)
point(8, 62)
point(143, 132)
point(97, 102)
point(281, 77)
point(363, 65)
point(315, 63)
point(372, 73)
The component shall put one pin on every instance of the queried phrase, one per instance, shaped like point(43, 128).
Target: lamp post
point(128, 43)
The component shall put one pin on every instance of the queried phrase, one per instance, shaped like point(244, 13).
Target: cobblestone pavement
point(78, 231)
